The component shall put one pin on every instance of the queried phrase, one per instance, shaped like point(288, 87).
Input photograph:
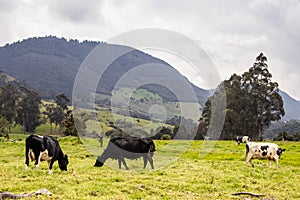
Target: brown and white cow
point(261, 150)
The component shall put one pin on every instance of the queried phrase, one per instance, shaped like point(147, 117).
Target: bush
point(165, 137)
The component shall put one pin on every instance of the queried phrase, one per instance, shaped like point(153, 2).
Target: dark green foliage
point(166, 137)
point(50, 113)
point(163, 131)
point(19, 105)
point(28, 110)
point(9, 96)
point(4, 127)
point(69, 125)
point(60, 110)
point(264, 94)
point(252, 102)
point(291, 127)
point(285, 136)
point(201, 130)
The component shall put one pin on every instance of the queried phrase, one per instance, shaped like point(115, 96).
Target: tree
point(267, 104)
point(160, 131)
point(69, 125)
point(58, 112)
point(28, 110)
point(252, 102)
point(9, 97)
point(4, 126)
point(50, 113)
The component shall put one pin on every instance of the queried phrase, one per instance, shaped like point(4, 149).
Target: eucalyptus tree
point(267, 104)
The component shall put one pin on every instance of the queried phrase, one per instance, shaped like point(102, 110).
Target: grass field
point(199, 173)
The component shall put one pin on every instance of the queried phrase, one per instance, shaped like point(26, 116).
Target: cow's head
point(99, 162)
point(63, 163)
point(237, 140)
point(279, 151)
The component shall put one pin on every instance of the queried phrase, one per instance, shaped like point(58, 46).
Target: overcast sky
point(232, 32)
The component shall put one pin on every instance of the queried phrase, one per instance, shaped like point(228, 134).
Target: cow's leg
point(269, 162)
point(151, 162)
point(145, 158)
point(276, 160)
point(37, 160)
point(27, 158)
point(252, 163)
point(119, 163)
point(148, 157)
point(124, 163)
point(50, 164)
point(249, 158)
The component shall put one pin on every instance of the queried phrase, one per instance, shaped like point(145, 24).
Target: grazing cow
point(242, 139)
point(45, 148)
point(128, 147)
point(268, 151)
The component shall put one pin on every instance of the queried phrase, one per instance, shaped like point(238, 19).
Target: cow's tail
point(27, 147)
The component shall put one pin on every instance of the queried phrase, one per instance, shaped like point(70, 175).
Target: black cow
point(45, 148)
point(128, 147)
point(242, 139)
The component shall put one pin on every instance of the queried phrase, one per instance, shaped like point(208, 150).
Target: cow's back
point(34, 141)
point(134, 144)
point(52, 146)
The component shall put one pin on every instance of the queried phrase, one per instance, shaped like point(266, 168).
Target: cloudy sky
point(232, 32)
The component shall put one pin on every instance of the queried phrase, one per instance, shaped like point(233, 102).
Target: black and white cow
point(128, 147)
point(268, 151)
point(45, 148)
point(242, 139)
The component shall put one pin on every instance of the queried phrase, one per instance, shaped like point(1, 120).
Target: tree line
point(22, 106)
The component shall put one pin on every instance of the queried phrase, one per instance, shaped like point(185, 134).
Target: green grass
point(199, 173)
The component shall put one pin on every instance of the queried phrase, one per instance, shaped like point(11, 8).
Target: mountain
point(291, 107)
point(290, 127)
point(290, 123)
point(4, 78)
point(50, 64)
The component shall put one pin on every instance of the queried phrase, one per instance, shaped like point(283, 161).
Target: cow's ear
point(282, 149)
point(66, 156)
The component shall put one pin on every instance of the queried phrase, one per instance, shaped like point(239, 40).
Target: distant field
point(197, 174)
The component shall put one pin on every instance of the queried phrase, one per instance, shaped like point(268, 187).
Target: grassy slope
point(216, 176)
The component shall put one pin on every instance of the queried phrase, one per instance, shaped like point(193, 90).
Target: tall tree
point(252, 102)
point(28, 110)
point(265, 98)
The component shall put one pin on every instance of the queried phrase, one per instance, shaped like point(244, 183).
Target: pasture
point(199, 173)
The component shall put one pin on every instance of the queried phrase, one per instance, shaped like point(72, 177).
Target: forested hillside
point(50, 65)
